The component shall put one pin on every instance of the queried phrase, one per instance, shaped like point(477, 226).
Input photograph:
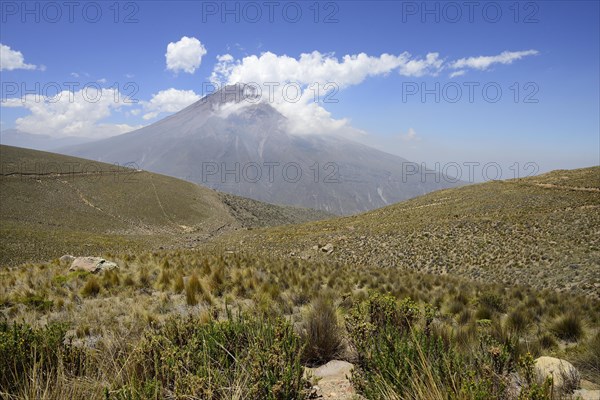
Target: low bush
point(397, 360)
point(492, 301)
point(28, 354)
point(243, 356)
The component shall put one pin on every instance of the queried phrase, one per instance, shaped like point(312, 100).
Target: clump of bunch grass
point(568, 328)
point(196, 287)
point(321, 332)
point(91, 287)
point(589, 358)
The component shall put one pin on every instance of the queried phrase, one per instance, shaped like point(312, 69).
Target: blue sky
point(551, 57)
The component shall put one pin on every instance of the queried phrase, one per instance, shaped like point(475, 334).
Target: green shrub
point(148, 390)
point(248, 357)
point(397, 359)
point(36, 301)
point(27, 353)
point(492, 301)
point(532, 390)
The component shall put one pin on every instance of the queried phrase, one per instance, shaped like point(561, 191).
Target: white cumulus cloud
point(327, 73)
point(12, 59)
point(168, 101)
point(309, 68)
point(311, 72)
point(185, 55)
point(80, 113)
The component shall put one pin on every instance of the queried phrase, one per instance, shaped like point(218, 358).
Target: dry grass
point(510, 232)
point(135, 298)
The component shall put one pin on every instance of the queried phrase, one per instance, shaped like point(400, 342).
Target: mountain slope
point(543, 231)
point(52, 204)
point(228, 143)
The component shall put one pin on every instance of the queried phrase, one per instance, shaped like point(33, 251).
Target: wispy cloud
point(458, 73)
point(410, 136)
point(484, 62)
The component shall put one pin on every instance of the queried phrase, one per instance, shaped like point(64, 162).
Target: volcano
point(230, 142)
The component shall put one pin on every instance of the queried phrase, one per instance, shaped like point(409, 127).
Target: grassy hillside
point(414, 295)
point(542, 231)
point(52, 204)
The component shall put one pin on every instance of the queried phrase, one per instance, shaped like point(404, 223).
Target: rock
point(66, 259)
point(328, 248)
point(565, 376)
point(585, 394)
point(92, 264)
point(333, 370)
point(333, 380)
point(315, 393)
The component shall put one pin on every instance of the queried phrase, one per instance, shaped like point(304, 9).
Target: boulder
point(327, 249)
point(66, 259)
point(333, 381)
point(92, 264)
point(565, 376)
point(586, 394)
point(333, 370)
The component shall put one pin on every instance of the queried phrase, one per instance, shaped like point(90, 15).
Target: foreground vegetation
point(184, 324)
